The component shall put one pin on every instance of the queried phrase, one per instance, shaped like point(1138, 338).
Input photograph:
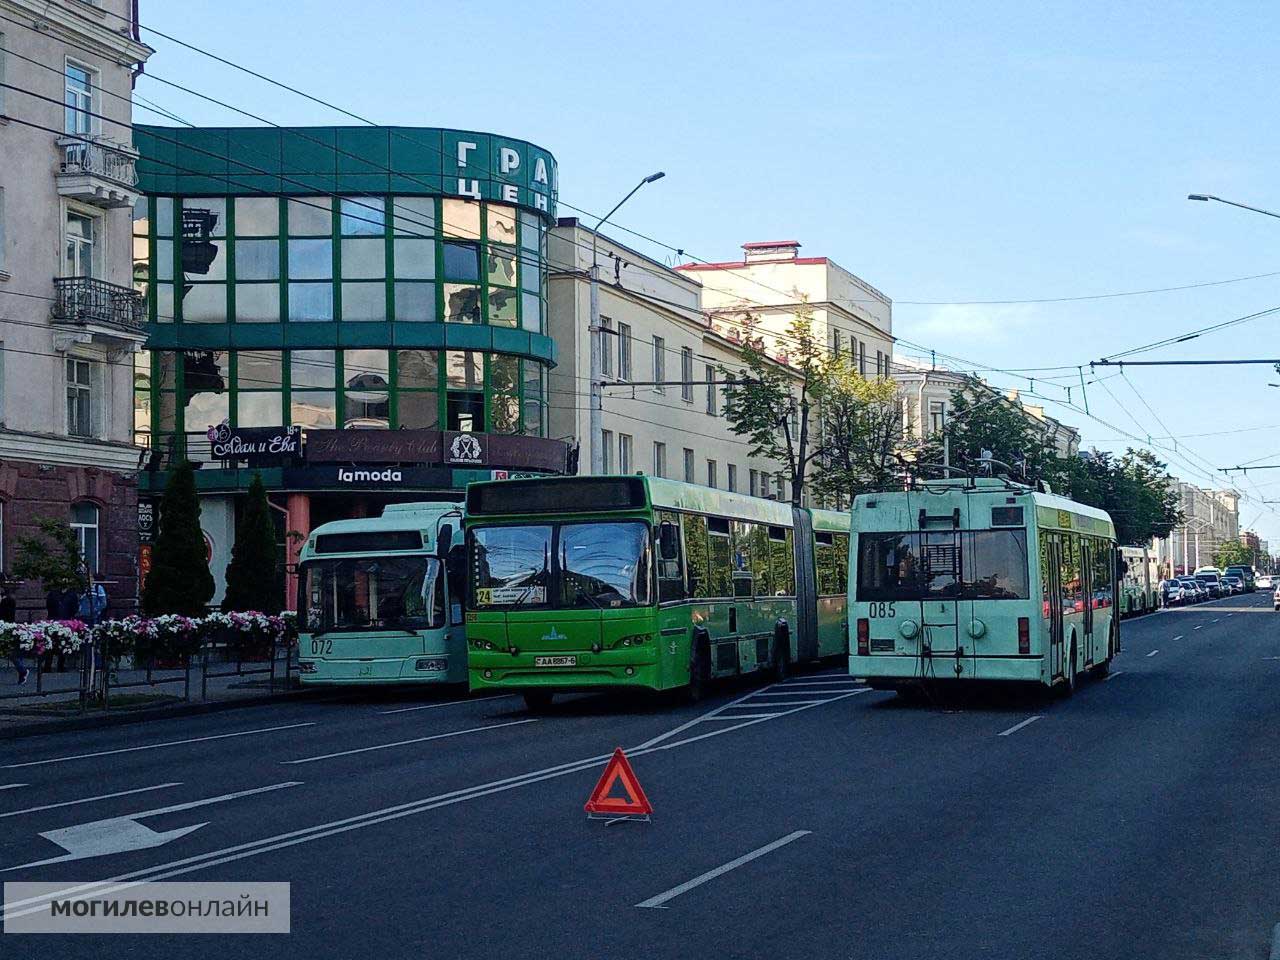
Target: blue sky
point(943, 152)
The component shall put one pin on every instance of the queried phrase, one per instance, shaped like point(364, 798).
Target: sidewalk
point(23, 711)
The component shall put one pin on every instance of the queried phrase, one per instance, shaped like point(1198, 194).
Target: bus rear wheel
point(538, 701)
point(1068, 685)
point(699, 671)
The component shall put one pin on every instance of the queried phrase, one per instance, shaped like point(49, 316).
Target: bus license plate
point(555, 661)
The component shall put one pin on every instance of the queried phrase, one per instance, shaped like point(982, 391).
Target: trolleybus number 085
point(882, 609)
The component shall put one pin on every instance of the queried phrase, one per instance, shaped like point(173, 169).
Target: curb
point(93, 722)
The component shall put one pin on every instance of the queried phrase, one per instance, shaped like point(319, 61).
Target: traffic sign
point(634, 804)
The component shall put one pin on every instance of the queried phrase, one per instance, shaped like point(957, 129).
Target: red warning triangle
point(618, 769)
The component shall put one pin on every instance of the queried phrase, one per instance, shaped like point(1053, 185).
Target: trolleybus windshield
point(963, 565)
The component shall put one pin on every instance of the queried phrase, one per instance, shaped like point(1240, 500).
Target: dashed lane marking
point(1018, 726)
point(101, 796)
point(1153, 653)
point(11, 786)
point(157, 746)
point(657, 903)
point(1178, 637)
point(1114, 674)
point(451, 703)
point(405, 743)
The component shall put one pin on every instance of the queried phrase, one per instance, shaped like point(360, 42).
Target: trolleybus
point(1139, 582)
point(581, 583)
point(376, 603)
point(980, 579)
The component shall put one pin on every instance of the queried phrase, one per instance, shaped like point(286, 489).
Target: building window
point(80, 376)
point(686, 374)
point(712, 479)
point(624, 351)
point(659, 364)
point(688, 465)
point(80, 251)
point(880, 364)
point(937, 415)
point(835, 342)
point(606, 453)
point(764, 484)
point(84, 521)
point(624, 452)
point(780, 485)
point(606, 346)
point(862, 358)
point(78, 98)
point(733, 478)
point(753, 486)
point(659, 459)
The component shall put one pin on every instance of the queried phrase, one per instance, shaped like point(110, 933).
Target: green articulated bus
point(380, 599)
point(981, 579)
point(582, 583)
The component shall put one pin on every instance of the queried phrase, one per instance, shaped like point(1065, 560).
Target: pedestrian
point(9, 614)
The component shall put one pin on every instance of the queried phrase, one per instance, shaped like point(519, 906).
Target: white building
point(1209, 519)
point(72, 319)
point(654, 331)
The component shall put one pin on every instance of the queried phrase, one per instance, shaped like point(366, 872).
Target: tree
point(180, 581)
point(860, 426)
point(981, 419)
point(52, 557)
point(770, 401)
point(1232, 553)
point(255, 579)
point(1157, 506)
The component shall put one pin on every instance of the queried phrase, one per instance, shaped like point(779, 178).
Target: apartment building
point(72, 319)
point(1210, 518)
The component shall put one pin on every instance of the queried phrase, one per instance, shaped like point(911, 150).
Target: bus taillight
point(864, 637)
point(1024, 636)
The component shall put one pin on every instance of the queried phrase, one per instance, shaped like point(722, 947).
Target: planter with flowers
point(249, 635)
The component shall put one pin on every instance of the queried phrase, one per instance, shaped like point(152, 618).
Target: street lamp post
point(1231, 203)
point(597, 409)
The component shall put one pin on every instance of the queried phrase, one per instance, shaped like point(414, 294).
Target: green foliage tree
point(255, 578)
point(770, 401)
point(51, 556)
point(860, 429)
point(180, 581)
point(1232, 553)
point(981, 419)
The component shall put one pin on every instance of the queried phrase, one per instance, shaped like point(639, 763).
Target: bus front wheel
point(538, 701)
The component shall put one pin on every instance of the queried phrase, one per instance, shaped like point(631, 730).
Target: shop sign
point(254, 444)
point(146, 521)
point(465, 448)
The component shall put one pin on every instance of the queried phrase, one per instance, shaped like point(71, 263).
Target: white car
point(1275, 599)
point(1265, 582)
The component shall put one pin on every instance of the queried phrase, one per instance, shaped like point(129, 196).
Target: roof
point(739, 264)
point(770, 243)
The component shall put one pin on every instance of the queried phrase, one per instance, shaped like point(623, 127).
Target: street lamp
point(597, 410)
point(1243, 206)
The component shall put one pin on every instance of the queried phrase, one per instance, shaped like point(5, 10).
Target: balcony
point(99, 310)
point(97, 172)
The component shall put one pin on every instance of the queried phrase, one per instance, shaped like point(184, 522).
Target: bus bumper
point(886, 670)
point(501, 671)
point(423, 668)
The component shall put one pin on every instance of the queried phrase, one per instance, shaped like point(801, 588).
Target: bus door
point(1053, 600)
point(1088, 590)
point(806, 588)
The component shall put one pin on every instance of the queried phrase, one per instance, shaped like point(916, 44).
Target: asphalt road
point(1137, 819)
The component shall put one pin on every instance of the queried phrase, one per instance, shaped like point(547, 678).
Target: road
point(1137, 819)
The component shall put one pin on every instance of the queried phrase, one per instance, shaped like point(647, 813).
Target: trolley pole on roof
point(597, 376)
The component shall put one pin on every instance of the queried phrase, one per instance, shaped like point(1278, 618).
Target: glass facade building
point(340, 279)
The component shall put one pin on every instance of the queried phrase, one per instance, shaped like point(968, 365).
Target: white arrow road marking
point(123, 834)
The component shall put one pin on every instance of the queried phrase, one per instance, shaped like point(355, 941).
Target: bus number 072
point(879, 610)
point(321, 647)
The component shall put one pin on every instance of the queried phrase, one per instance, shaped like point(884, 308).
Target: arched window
point(84, 521)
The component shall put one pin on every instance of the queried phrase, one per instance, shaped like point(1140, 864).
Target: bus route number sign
point(882, 610)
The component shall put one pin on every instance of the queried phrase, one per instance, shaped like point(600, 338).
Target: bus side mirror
point(668, 541)
point(444, 540)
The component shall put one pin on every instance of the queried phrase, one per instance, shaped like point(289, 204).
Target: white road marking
point(11, 786)
point(1216, 620)
point(1275, 942)
point(1198, 626)
point(1271, 658)
point(1153, 653)
point(755, 716)
point(101, 796)
point(658, 901)
point(793, 703)
point(405, 743)
point(1178, 637)
point(1114, 674)
point(123, 834)
point(1018, 726)
point(254, 848)
point(815, 682)
point(797, 693)
point(451, 703)
point(156, 746)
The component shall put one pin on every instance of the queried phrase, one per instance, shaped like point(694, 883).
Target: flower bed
point(165, 639)
point(43, 636)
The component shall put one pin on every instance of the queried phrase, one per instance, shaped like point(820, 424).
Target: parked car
point(1275, 599)
point(1264, 582)
point(1212, 582)
point(1234, 583)
point(1244, 573)
point(1192, 590)
point(1172, 593)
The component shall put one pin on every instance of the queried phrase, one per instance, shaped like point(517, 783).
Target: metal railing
point(99, 160)
point(89, 300)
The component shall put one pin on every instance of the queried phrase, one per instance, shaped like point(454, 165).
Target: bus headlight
point(306, 666)
point(908, 629)
point(432, 664)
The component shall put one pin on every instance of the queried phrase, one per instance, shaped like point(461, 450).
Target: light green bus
point(377, 603)
point(581, 583)
point(980, 579)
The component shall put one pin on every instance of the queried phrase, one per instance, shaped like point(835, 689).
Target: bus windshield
point(566, 565)
point(371, 593)
point(965, 565)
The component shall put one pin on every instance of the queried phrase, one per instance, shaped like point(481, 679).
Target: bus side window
point(762, 576)
point(840, 544)
point(742, 568)
point(696, 555)
point(720, 582)
point(670, 571)
point(782, 565)
point(824, 563)
point(456, 570)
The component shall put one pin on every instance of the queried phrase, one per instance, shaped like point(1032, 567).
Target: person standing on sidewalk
point(9, 614)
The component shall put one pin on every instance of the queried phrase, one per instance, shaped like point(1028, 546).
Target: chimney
point(771, 250)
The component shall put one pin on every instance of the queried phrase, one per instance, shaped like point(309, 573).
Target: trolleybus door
point(1053, 600)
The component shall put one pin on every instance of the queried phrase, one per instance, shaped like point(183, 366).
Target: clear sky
point(942, 152)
